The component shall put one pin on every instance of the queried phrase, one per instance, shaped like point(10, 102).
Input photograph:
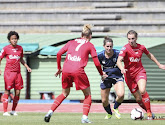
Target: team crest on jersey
point(103, 62)
point(114, 59)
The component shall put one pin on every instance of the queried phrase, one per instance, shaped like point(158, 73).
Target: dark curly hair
point(12, 33)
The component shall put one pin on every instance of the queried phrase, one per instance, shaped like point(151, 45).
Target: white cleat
point(85, 120)
point(13, 113)
point(6, 114)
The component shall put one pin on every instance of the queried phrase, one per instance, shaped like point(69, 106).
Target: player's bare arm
point(119, 64)
point(152, 57)
point(23, 63)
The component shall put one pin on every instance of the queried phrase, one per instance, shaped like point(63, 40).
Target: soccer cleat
point(117, 114)
point(48, 116)
point(108, 116)
point(13, 113)
point(85, 120)
point(150, 116)
point(6, 114)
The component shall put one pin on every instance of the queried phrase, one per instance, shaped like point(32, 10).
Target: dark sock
point(108, 109)
point(117, 104)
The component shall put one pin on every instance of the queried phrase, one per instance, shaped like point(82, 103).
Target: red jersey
point(76, 59)
point(132, 58)
point(13, 55)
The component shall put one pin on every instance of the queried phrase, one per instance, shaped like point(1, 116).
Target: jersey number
point(81, 43)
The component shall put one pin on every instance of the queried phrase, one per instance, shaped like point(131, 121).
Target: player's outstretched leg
point(48, 116)
point(56, 103)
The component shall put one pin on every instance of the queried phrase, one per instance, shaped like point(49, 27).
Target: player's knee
point(121, 96)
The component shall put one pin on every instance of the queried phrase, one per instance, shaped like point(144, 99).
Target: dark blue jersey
point(109, 65)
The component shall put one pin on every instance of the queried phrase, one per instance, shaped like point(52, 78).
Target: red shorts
point(13, 80)
point(80, 79)
point(132, 81)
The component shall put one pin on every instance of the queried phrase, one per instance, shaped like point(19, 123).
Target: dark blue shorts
point(108, 82)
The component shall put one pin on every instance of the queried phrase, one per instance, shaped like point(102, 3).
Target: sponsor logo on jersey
point(114, 59)
point(74, 58)
point(14, 57)
point(132, 59)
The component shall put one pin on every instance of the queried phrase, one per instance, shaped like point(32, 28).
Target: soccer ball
point(136, 114)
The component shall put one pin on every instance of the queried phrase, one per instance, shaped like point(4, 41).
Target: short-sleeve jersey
point(13, 55)
point(109, 64)
point(132, 58)
point(78, 51)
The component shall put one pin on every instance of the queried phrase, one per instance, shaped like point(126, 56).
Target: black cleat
point(47, 117)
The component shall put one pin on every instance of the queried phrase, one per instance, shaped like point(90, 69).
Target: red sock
point(87, 105)
point(141, 104)
point(146, 101)
point(15, 102)
point(57, 102)
point(5, 102)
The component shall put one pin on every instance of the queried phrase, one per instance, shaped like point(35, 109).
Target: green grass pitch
point(73, 119)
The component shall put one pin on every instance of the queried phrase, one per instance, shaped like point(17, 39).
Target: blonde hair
point(86, 30)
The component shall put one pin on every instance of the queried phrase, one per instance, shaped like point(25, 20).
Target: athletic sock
point(141, 104)
point(108, 109)
point(117, 104)
point(87, 105)
point(5, 102)
point(146, 101)
point(15, 102)
point(57, 102)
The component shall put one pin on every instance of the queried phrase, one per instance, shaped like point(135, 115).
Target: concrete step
point(113, 5)
point(25, 4)
point(64, 26)
point(69, 14)
point(94, 29)
point(100, 17)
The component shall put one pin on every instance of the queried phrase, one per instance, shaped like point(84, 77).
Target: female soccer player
point(12, 75)
point(108, 59)
point(134, 72)
point(76, 59)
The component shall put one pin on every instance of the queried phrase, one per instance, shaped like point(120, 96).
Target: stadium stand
point(65, 16)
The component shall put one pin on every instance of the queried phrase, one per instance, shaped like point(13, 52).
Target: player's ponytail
point(107, 39)
point(86, 32)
